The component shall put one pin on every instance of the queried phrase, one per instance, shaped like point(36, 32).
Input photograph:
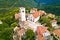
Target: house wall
point(46, 34)
point(31, 18)
point(54, 24)
point(36, 19)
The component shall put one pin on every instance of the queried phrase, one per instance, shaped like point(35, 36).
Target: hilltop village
point(30, 21)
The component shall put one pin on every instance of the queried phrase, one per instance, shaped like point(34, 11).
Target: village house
point(18, 33)
point(35, 15)
point(15, 36)
point(42, 33)
point(51, 15)
point(17, 16)
point(21, 33)
point(54, 23)
point(56, 33)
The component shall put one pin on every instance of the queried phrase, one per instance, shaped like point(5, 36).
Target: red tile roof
point(17, 16)
point(40, 37)
point(42, 12)
point(57, 32)
point(36, 14)
point(41, 30)
point(20, 32)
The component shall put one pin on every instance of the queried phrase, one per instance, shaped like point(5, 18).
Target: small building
point(15, 36)
point(42, 33)
point(21, 33)
point(18, 33)
point(34, 17)
point(56, 33)
point(51, 15)
point(17, 16)
point(54, 23)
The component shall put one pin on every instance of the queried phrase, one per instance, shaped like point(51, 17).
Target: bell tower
point(22, 13)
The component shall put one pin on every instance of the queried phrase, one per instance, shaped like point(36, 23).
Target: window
point(22, 11)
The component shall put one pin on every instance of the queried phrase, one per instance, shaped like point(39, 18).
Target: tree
point(45, 20)
point(29, 35)
point(3, 26)
point(14, 24)
point(38, 3)
point(58, 19)
point(6, 34)
point(6, 28)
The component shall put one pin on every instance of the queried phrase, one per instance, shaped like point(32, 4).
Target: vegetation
point(7, 5)
point(8, 23)
point(45, 20)
point(29, 35)
point(58, 19)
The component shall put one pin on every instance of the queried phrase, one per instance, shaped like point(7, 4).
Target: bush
point(14, 24)
point(29, 35)
point(6, 34)
point(3, 26)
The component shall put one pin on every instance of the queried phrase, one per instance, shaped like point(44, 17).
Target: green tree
point(3, 26)
point(45, 20)
point(58, 19)
point(6, 28)
point(14, 24)
point(6, 34)
point(29, 35)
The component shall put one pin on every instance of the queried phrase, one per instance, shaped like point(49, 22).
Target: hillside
point(48, 6)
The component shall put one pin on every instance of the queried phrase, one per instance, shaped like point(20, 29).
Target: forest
point(7, 5)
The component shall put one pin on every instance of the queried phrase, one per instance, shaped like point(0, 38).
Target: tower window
point(22, 11)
